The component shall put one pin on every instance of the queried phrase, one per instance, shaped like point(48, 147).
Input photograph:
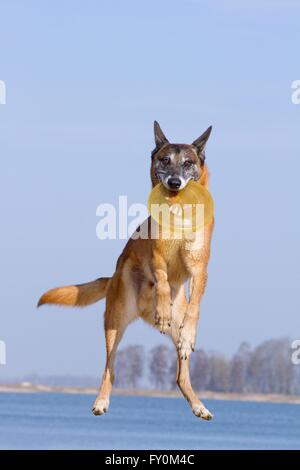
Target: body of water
point(61, 421)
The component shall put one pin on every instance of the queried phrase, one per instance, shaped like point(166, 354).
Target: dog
point(150, 276)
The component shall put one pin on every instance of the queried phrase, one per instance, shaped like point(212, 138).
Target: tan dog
point(150, 276)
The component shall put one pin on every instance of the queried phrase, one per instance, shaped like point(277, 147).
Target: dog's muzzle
point(174, 183)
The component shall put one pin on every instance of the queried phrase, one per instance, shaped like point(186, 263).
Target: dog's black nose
point(174, 183)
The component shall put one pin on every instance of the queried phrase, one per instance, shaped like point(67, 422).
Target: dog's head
point(175, 165)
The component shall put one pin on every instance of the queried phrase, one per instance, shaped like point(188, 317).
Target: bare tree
point(219, 371)
point(159, 366)
point(239, 369)
point(129, 366)
point(295, 388)
point(271, 370)
point(200, 369)
point(173, 370)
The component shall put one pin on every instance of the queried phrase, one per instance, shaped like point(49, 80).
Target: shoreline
point(205, 394)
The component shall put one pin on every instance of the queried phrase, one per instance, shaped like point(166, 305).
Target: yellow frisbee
point(187, 210)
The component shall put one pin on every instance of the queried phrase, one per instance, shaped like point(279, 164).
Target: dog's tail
point(79, 295)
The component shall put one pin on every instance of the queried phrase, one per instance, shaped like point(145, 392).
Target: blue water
point(58, 421)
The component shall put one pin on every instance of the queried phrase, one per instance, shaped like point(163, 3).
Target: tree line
point(265, 369)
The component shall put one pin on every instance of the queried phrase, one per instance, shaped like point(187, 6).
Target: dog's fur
point(150, 277)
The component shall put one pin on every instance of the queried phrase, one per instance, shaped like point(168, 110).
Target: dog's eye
point(188, 163)
point(165, 160)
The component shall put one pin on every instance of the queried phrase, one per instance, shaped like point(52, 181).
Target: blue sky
point(85, 80)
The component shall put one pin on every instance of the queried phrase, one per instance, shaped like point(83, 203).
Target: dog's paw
point(201, 412)
point(163, 319)
point(100, 407)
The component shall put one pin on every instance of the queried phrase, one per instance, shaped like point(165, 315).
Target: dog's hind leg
point(183, 365)
point(184, 383)
point(118, 315)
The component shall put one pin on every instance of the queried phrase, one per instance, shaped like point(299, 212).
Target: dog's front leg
point(163, 292)
point(187, 338)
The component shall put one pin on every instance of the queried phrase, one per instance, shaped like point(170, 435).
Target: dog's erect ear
point(159, 136)
point(201, 142)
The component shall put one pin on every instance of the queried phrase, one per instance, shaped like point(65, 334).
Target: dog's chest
point(180, 255)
